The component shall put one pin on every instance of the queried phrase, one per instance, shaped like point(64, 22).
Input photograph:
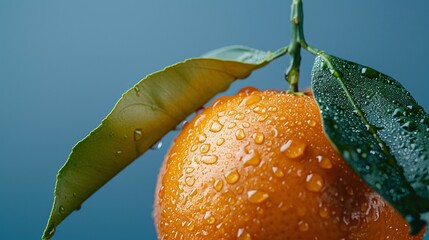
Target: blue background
point(64, 64)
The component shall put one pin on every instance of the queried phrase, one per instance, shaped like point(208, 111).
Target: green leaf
point(145, 113)
point(379, 129)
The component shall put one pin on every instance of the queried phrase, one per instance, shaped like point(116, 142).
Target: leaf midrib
point(390, 158)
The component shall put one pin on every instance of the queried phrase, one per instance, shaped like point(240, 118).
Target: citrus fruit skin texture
point(257, 165)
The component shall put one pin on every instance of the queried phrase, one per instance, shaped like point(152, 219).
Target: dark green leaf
point(379, 129)
point(144, 114)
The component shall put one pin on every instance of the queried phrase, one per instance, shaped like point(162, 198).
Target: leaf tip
point(49, 231)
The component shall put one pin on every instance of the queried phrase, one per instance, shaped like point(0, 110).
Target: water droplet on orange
point(198, 119)
point(190, 226)
point(208, 216)
point(259, 210)
point(248, 101)
point(220, 141)
point(218, 185)
point(314, 182)
point(252, 158)
point(193, 192)
point(293, 148)
point(232, 177)
point(278, 172)
point(259, 109)
point(209, 159)
point(272, 109)
point(231, 112)
point(239, 116)
point(211, 220)
point(303, 226)
point(232, 125)
point(221, 100)
point(311, 123)
point(324, 162)
point(275, 132)
point(240, 189)
point(248, 90)
point(323, 212)
point(259, 137)
point(193, 148)
point(262, 117)
point(245, 124)
point(257, 196)
point(239, 134)
point(190, 181)
point(216, 126)
point(189, 170)
point(202, 138)
point(220, 114)
point(205, 148)
point(242, 235)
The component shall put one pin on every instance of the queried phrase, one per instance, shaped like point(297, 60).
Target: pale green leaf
point(143, 115)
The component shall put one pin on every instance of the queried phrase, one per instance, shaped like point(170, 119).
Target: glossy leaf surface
point(143, 115)
point(379, 129)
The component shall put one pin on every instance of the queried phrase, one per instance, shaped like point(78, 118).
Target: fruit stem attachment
point(297, 41)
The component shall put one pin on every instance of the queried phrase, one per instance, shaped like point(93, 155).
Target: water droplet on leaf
point(137, 90)
point(369, 72)
point(138, 134)
point(410, 126)
point(398, 112)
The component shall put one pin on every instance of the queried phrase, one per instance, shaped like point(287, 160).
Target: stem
point(297, 41)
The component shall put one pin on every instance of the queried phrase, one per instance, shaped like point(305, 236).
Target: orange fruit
point(258, 165)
